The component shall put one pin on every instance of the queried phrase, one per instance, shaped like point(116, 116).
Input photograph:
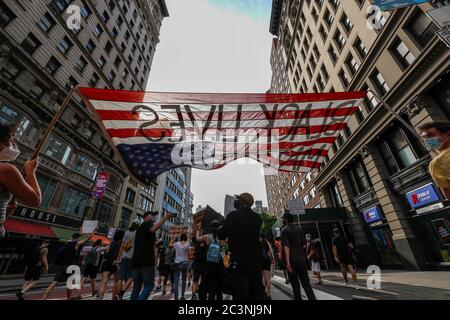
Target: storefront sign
point(387, 5)
point(371, 215)
point(433, 207)
point(37, 215)
point(100, 185)
point(422, 196)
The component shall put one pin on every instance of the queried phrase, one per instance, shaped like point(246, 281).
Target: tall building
point(173, 195)
point(40, 60)
point(258, 208)
point(376, 166)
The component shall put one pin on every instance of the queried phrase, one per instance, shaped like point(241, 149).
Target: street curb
point(283, 289)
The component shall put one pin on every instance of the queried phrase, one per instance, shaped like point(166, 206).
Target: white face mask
point(10, 153)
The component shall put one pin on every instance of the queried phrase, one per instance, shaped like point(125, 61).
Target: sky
point(216, 46)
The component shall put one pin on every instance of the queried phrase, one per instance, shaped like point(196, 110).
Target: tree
point(268, 222)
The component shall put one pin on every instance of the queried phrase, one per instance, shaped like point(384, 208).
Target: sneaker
point(347, 285)
point(356, 286)
point(19, 295)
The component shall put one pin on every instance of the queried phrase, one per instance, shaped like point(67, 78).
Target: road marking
point(320, 295)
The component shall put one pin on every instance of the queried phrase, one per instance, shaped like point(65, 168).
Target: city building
point(40, 60)
point(173, 195)
point(204, 217)
point(376, 166)
point(258, 208)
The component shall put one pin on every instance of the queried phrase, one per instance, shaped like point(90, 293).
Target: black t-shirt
point(243, 228)
point(144, 246)
point(341, 246)
point(201, 252)
point(162, 255)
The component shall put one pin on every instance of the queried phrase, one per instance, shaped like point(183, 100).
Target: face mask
point(308, 238)
point(10, 153)
point(433, 143)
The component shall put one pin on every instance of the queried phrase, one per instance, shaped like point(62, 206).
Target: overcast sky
point(216, 46)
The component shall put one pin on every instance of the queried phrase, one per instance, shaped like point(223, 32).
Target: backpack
point(91, 257)
point(34, 257)
point(214, 255)
point(66, 253)
point(128, 245)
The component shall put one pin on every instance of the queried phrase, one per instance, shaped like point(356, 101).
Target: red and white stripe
point(309, 123)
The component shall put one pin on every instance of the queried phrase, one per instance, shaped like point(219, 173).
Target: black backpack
point(34, 257)
point(66, 255)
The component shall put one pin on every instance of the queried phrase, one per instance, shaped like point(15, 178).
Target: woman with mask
point(12, 183)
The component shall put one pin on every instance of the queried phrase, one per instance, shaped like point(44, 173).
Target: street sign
point(387, 5)
point(441, 16)
point(100, 185)
point(372, 215)
point(444, 35)
point(296, 206)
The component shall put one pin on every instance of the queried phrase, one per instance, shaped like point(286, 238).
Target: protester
point(213, 268)
point(198, 266)
point(169, 258)
point(436, 136)
point(143, 263)
point(161, 250)
point(343, 257)
point(242, 228)
point(91, 262)
point(36, 264)
point(12, 184)
point(313, 256)
point(293, 243)
point(66, 256)
point(268, 263)
point(110, 266)
point(281, 258)
point(126, 257)
point(181, 265)
point(191, 253)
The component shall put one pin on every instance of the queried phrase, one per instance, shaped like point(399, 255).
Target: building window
point(74, 202)
point(360, 48)
point(36, 90)
point(86, 167)
point(65, 45)
point(85, 11)
point(125, 218)
point(339, 39)
point(380, 83)
point(421, 28)
point(94, 80)
point(398, 150)
point(103, 212)
point(52, 66)
point(46, 23)
point(90, 46)
point(346, 22)
point(71, 82)
point(130, 196)
point(31, 43)
point(352, 65)
point(97, 31)
point(58, 149)
point(6, 15)
point(335, 195)
point(105, 17)
point(402, 53)
point(101, 62)
point(81, 64)
point(359, 179)
point(48, 187)
point(344, 78)
point(60, 5)
point(146, 204)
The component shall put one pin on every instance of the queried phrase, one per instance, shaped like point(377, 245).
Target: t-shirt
point(292, 237)
point(181, 251)
point(144, 246)
point(129, 236)
point(440, 169)
point(341, 246)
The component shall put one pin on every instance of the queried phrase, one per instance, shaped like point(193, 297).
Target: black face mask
point(237, 204)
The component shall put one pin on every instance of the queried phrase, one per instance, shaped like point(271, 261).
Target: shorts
point(109, 266)
point(125, 272)
point(90, 271)
point(346, 260)
point(61, 274)
point(33, 273)
point(315, 266)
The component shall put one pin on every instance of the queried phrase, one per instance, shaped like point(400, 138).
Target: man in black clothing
point(292, 241)
point(143, 262)
point(242, 229)
point(342, 255)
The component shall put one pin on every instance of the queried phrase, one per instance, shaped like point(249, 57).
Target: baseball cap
point(76, 235)
point(153, 213)
point(246, 199)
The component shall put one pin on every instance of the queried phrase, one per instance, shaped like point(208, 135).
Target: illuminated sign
point(422, 196)
point(371, 215)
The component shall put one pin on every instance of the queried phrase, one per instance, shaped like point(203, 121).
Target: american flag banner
point(153, 132)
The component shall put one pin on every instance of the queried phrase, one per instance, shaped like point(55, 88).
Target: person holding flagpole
point(12, 183)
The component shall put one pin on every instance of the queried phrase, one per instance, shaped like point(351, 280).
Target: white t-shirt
point(181, 251)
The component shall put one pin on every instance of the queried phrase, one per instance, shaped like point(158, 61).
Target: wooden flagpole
point(52, 124)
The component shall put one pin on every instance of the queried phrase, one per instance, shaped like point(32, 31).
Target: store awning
point(104, 239)
point(16, 226)
point(63, 233)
